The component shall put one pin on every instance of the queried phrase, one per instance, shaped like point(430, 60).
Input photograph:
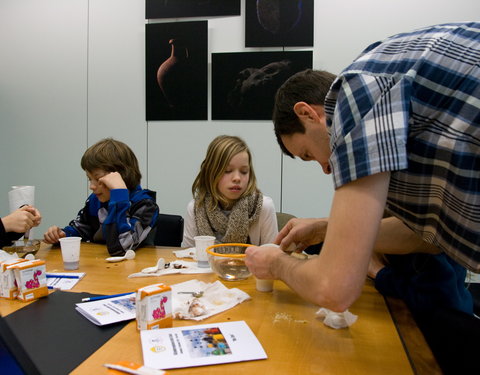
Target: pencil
point(104, 297)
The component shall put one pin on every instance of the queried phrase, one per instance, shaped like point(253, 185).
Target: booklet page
point(109, 310)
point(200, 345)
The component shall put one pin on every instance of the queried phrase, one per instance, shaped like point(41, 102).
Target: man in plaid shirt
point(399, 131)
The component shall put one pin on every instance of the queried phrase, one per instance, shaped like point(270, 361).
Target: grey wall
point(72, 72)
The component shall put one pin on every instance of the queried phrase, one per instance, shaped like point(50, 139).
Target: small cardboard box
point(8, 286)
point(154, 307)
point(31, 279)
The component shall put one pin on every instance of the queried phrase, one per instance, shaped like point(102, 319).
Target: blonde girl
point(227, 203)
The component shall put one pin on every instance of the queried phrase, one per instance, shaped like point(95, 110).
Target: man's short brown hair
point(113, 156)
point(309, 86)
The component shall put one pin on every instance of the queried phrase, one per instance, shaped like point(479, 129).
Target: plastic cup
point(201, 243)
point(264, 285)
point(70, 252)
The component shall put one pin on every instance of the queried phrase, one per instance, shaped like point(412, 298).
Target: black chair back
point(169, 230)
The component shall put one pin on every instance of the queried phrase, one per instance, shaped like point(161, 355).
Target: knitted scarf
point(234, 227)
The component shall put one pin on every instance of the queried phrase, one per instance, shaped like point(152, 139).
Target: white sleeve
point(266, 228)
point(189, 229)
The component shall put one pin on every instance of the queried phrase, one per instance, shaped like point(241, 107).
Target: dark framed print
point(274, 23)
point(176, 71)
point(244, 83)
point(191, 8)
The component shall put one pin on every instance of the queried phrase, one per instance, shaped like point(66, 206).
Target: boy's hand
point(22, 220)
point(113, 180)
point(53, 235)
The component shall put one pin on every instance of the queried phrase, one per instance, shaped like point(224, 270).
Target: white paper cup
point(264, 285)
point(201, 243)
point(70, 252)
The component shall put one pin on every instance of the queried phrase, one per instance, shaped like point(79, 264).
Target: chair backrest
point(282, 219)
point(169, 230)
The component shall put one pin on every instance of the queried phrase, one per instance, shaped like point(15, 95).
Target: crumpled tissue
point(185, 253)
point(335, 319)
point(215, 299)
point(177, 266)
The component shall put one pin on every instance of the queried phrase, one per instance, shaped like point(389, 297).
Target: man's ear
point(305, 111)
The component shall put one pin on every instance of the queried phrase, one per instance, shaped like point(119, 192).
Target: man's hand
point(302, 233)
point(260, 260)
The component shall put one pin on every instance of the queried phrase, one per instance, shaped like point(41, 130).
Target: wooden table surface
point(296, 342)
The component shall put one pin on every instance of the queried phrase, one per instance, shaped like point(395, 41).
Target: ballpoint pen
point(53, 276)
point(104, 297)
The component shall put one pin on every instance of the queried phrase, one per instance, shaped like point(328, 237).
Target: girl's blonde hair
point(113, 156)
point(219, 153)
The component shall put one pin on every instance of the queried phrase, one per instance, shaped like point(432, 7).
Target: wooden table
point(295, 341)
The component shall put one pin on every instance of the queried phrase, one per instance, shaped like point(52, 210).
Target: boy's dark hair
point(113, 156)
point(309, 86)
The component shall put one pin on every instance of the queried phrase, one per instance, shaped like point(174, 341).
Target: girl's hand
point(53, 235)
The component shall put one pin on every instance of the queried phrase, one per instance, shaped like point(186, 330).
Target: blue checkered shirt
point(411, 105)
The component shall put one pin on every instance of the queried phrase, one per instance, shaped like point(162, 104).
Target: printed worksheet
point(63, 280)
point(108, 310)
point(200, 345)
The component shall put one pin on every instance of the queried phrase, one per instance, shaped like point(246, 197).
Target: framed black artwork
point(191, 8)
point(176, 71)
point(244, 83)
point(274, 23)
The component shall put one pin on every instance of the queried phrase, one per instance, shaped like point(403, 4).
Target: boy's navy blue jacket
point(122, 223)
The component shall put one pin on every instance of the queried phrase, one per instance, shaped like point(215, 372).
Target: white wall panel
point(43, 92)
point(343, 28)
point(116, 75)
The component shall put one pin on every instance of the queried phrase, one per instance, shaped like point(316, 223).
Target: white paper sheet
point(63, 283)
point(20, 195)
point(109, 310)
point(200, 345)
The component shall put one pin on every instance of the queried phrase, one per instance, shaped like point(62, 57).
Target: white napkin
point(20, 195)
point(336, 320)
point(185, 253)
point(216, 298)
point(186, 267)
point(6, 256)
